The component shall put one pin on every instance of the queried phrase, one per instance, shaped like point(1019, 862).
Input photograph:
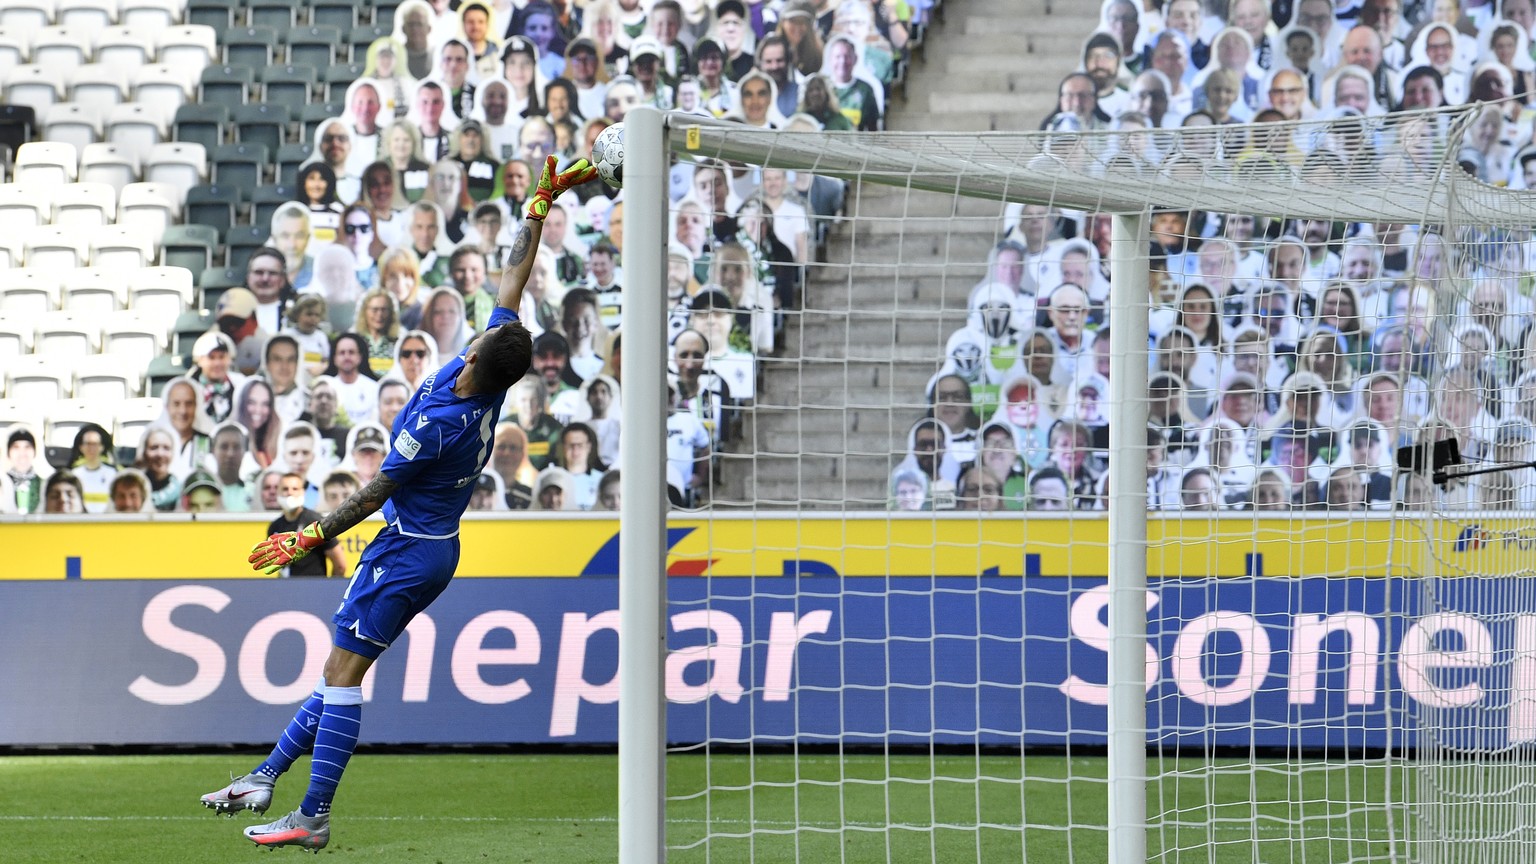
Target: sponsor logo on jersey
point(407, 446)
point(421, 420)
point(378, 572)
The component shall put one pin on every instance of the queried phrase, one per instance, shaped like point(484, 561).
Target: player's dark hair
point(505, 354)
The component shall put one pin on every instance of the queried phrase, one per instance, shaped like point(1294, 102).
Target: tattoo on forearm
point(521, 245)
point(362, 504)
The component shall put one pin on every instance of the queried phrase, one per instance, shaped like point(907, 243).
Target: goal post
point(1209, 618)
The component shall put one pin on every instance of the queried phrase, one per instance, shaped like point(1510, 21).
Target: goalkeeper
point(442, 441)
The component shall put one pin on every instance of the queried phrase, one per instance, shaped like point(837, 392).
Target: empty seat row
point(58, 421)
point(34, 15)
point(279, 14)
point(160, 87)
point(123, 48)
point(265, 123)
point(292, 85)
point(53, 246)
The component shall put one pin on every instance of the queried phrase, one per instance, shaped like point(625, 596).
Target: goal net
point(1051, 504)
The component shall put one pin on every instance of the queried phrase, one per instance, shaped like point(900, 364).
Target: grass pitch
point(448, 808)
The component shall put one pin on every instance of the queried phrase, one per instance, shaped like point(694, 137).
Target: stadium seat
point(240, 165)
point(161, 371)
point(38, 378)
point(133, 337)
point(313, 114)
point(189, 246)
point(384, 12)
point(338, 78)
point(189, 325)
point(132, 417)
point(65, 419)
point(124, 48)
point(95, 290)
point(154, 206)
point(22, 208)
point(46, 163)
point(289, 85)
point(98, 86)
point(313, 46)
point(121, 247)
point(163, 292)
point(241, 241)
point(28, 16)
point(54, 247)
point(266, 199)
point(34, 86)
point(68, 333)
point(106, 379)
point(30, 291)
point(76, 125)
point(110, 164)
point(191, 47)
point(138, 129)
point(341, 14)
point(10, 252)
point(16, 330)
point(83, 206)
point(61, 48)
point(14, 51)
point(17, 124)
point(264, 124)
point(163, 88)
point(214, 205)
point(218, 279)
point(151, 15)
point(177, 165)
point(255, 47)
point(363, 35)
point(87, 16)
point(221, 15)
point(225, 85)
point(279, 15)
point(14, 412)
point(202, 123)
point(289, 158)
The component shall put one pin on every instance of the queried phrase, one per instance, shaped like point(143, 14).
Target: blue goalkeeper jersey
point(441, 444)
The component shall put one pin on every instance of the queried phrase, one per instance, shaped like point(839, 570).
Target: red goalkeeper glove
point(553, 183)
point(280, 550)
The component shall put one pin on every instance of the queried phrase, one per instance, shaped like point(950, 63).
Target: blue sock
point(335, 740)
point(297, 738)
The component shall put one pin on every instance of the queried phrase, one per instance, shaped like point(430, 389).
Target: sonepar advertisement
point(1283, 633)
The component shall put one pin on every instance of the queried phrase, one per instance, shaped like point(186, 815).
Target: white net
point(908, 663)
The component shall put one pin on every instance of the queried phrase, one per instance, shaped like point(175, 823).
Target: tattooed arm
point(362, 504)
point(519, 264)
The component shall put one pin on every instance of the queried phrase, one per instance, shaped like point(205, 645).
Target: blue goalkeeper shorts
point(396, 578)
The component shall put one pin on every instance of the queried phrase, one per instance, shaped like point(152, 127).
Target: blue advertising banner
point(998, 660)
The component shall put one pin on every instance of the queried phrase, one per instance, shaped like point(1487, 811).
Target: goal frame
point(642, 539)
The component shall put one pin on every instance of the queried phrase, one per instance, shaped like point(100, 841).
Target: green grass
point(446, 808)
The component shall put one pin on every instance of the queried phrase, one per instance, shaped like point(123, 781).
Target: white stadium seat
point(84, 206)
point(61, 48)
point(34, 86)
point(137, 128)
point(124, 48)
point(132, 418)
point(110, 164)
point(151, 14)
point(65, 332)
point(32, 291)
point(162, 88)
point(22, 208)
point(152, 206)
point(54, 247)
point(14, 412)
point(121, 247)
point(177, 165)
point(164, 292)
point(16, 332)
point(39, 378)
point(10, 251)
point(189, 46)
point(46, 163)
point(89, 16)
point(95, 290)
point(14, 51)
point(107, 378)
point(72, 124)
point(28, 16)
point(99, 86)
point(66, 416)
point(134, 337)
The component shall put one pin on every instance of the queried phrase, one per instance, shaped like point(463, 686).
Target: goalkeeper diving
point(442, 441)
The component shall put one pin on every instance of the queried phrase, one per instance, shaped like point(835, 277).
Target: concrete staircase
point(833, 409)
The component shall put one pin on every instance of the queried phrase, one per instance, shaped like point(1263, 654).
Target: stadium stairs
point(831, 417)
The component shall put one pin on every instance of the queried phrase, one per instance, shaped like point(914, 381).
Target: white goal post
point(1254, 738)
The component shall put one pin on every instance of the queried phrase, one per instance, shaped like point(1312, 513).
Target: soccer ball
point(608, 155)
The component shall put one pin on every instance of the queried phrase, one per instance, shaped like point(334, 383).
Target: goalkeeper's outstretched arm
point(520, 264)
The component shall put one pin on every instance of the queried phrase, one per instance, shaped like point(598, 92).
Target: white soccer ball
point(608, 155)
